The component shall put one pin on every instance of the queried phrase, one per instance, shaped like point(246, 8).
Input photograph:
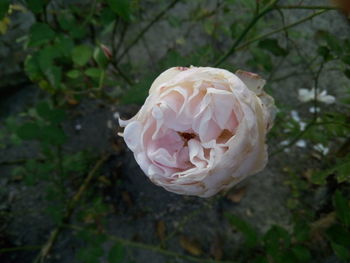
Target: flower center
point(186, 136)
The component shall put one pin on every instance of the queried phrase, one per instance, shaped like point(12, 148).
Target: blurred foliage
point(78, 51)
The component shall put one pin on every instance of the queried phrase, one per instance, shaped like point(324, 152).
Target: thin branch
point(46, 248)
point(249, 42)
point(144, 30)
point(316, 7)
point(255, 19)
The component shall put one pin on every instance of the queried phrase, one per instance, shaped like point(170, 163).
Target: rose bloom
point(201, 130)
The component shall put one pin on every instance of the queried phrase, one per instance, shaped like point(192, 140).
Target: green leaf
point(46, 57)
point(29, 131)
point(54, 75)
point(40, 33)
point(32, 68)
point(54, 135)
point(339, 234)
point(4, 6)
point(93, 72)
point(276, 240)
point(53, 115)
point(81, 55)
point(64, 45)
point(341, 252)
point(247, 230)
point(36, 6)
point(273, 46)
point(301, 253)
point(73, 74)
point(121, 8)
point(66, 21)
point(301, 231)
point(342, 208)
point(100, 58)
point(116, 254)
point(319, 177)
point(78, 31)
point(90, 254)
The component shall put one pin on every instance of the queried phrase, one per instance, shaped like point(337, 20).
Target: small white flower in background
point(314, 109)
point(78, 127)
point(321, 148)
point(301, 143)
point(284, 143)
point(306, 95)
point(296, 117)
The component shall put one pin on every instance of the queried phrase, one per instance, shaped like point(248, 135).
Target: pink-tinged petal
point(196, 153)
point(132, 134)
point(223, 105)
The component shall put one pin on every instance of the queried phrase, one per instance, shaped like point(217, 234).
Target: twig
point(156, 249)
point(316, 7)
point(317, 76)
point(144, 30)
point(249, 42)
point(69, 210)
point(121, 39)
point(117, 71)
point(255, 19)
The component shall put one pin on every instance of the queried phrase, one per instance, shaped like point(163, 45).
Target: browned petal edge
point(248, 74)
point(182, 68)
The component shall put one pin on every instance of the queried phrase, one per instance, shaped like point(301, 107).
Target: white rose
point(201, 129)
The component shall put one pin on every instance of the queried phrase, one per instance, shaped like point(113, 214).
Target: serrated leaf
point(247, 230)
point(116, 254)
point(81, 55)
point(121, 8)
point(93, 72)
point(342, 208)
point(40, 33)
point(73, 74)
point(272, 46)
